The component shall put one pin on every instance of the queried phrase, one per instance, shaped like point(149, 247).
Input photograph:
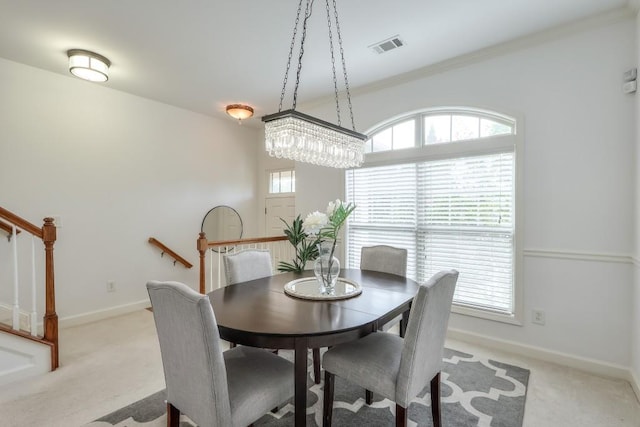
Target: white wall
point(578, 198)
point(118, 169)
point(266, 163)
point(635, 324)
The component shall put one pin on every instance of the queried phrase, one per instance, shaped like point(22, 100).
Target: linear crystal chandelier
point(293, 135)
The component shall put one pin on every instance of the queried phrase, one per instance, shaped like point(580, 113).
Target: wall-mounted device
point(629, 77)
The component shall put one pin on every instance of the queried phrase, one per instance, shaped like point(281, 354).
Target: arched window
point(442, 184)
point(438, 126)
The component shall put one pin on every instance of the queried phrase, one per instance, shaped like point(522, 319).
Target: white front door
point(276, 208)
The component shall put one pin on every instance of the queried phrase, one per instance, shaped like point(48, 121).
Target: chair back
point(385, 259)
point(424, 339)
point(248, 264)
point(194, 368)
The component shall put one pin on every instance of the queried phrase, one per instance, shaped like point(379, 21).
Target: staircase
point(28, 343)
point(22, 358)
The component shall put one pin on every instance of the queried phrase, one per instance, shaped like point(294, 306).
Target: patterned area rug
point(475, 392)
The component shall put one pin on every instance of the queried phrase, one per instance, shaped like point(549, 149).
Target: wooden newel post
point(203, 245)
point(50, 316)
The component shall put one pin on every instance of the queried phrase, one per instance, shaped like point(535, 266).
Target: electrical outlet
point(629, 87)
point(537, 316)
point(630, 75)
point(111, 286)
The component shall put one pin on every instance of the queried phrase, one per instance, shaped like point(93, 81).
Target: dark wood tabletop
point(258, 313)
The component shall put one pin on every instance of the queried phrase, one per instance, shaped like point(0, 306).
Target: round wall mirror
point(222, 223)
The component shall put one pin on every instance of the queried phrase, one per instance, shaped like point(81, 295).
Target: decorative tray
point(309, 288)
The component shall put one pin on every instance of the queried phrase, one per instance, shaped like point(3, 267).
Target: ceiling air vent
point(387, 45)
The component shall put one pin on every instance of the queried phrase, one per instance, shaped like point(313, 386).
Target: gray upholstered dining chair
point(394, 367)
point(247, 264)
point(385, 259)
point(212, 388)
point(251, 264)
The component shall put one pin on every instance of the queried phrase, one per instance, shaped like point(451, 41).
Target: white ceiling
point(204, 54)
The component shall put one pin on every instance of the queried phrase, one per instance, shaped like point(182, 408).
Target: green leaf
point(285, 266)
point(299, 239)
point(306, 248)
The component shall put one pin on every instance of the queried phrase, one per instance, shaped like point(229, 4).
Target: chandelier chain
point(307, 15)
point(344, 65)
point(333, 62)
point(293, 42)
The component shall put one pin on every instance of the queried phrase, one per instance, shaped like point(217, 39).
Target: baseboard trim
point(635, 384)
point(93, 316)
point(584, 364)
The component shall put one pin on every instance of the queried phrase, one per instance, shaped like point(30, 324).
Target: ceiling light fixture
point(88, 65)
point(239, 111)
point(293, 135)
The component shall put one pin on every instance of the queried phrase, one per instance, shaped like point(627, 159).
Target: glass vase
point(327, 267)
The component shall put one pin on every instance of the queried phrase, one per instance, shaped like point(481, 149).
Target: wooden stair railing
point(171, 253)
point(8, 229)
point(203, 245)
point(50, 322)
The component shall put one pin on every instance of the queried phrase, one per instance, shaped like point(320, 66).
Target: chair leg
point(173, 416)
point(368, 396)
point(327, 406)
point(404, 322)
point(316, 365)
point(435, 401)
point(401, 416)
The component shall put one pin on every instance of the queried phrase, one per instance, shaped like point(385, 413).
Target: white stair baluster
point(33, 320)
point(219, 253)
point(211, 264)
point(16, 304)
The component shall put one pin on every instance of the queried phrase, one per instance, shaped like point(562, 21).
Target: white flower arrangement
point(327, 226)
point(314, 222)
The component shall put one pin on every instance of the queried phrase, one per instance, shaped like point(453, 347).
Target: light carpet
point(474, 392)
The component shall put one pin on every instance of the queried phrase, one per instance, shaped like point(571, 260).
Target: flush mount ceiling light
point(239, 111)
point(292, 135)
point(88, 65)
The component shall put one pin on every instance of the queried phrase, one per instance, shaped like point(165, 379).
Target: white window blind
point(466, 223)
point(386, 210)
point(453, 213)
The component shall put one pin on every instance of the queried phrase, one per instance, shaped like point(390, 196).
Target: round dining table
point(259, 313)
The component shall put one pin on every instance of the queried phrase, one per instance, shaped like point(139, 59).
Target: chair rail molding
point(580, 255)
